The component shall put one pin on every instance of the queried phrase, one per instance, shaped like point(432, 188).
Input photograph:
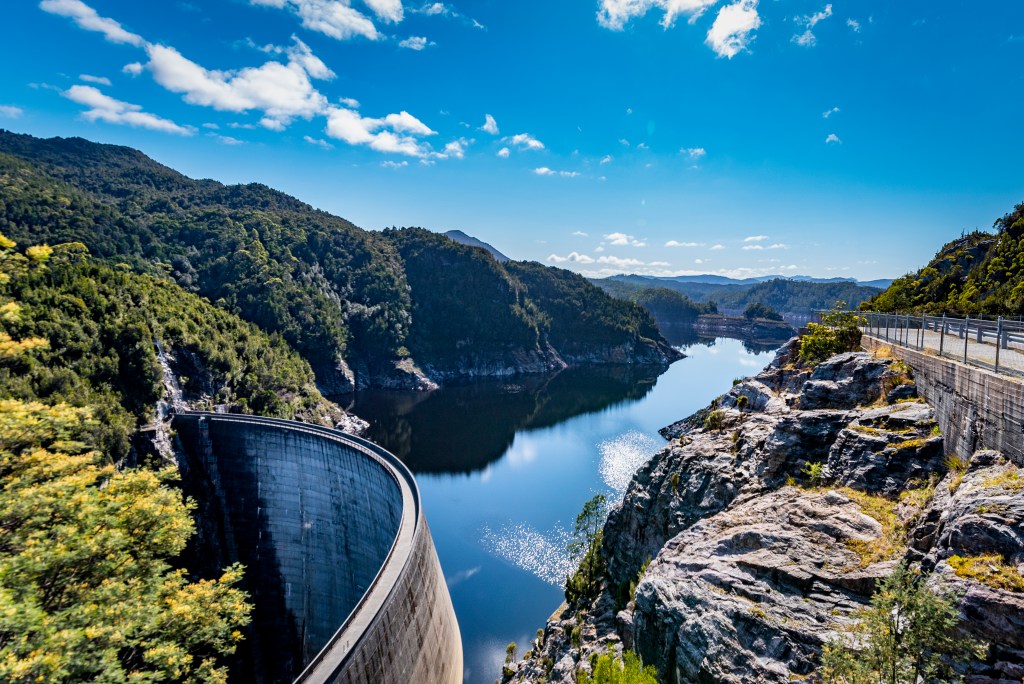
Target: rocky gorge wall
point(743, 564)
point(339, 560)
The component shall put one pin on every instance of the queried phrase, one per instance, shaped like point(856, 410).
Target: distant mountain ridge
point(470, 241)
point(712, 279)
point(797, 299)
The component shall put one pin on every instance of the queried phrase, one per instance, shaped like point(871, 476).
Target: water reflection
point(463, 428)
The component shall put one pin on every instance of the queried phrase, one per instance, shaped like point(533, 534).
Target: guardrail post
point(999, 340)
point(1004, 339)
point(886, 327)
point(942, 334)
point(967, 337)
point(981, 322)
point(920, 334)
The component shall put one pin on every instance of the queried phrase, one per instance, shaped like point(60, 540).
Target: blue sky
point(740, 137)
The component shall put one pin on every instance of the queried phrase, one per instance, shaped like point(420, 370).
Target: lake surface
point(505, 467)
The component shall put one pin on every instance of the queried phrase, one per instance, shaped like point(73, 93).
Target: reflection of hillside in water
point(463, 428)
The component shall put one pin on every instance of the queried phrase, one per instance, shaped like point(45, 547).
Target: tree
point(86, 588)
point(625, 670)
point(758, 310)
point(586, 545)
point(909, 634)
point(838, 332)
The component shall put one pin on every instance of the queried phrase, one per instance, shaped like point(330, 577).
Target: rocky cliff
point(760, 531)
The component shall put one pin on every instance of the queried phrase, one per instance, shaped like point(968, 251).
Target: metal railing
point(997, 345)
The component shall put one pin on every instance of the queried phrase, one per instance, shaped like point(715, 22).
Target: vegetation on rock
point(588, 534)
point(838, 332)
point(756, 310)
point(909, 634)
point(627, 669)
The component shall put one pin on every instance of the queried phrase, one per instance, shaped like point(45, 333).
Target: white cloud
point(622, 240)
point(334, 18)
point(133, 69)
point(717, 248)
point(351, 127)
point(281, 91)
point(606, 159)
point(730, 34)
point(395, 165)
point(623, 142)
point(490, 125)
point(545, 171)
point(642, 146)
point(615, 14)
point(455, 149)
point(807, 38)
point(226, 139)
point(755, 238)
point(833, 138)
point(349, 102)
point(504, 153)
point(10, 111)
point(104, 108)
point(415, 43)
point(386, 10)
point(826, 114)
point(674, 243)
point(572, 257)
point(525, 141)
point(437, 9)
point(694, 153)
point(854, 25)
point(99, 80)
point(87, 18)
point(617, 261)
point(318, 142)
point(759, 248)
point(434, 9)
point(580, 233)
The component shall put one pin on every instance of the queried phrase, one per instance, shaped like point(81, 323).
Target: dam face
point(339, 561)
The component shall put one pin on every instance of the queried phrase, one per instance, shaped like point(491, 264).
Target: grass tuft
point(989, 569)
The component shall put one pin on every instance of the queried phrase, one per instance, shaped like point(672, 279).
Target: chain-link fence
point(997, 345)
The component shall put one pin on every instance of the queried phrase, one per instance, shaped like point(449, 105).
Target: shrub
point(758, 310)
point(908, 634)
point(814, 472)
point(586, 545)
point(607, 669)
point(714, 420)
point(838, 332)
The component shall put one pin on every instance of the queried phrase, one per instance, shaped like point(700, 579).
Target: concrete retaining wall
point(339, 559)
point(976, 408)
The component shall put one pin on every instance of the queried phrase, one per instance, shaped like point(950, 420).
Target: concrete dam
point(340, 565)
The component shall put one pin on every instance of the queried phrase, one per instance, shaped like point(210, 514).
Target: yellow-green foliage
point(837, 333)
point(988, 569)
point(628, 669)
point(892, 541)
point(87, 591)
point(1010, 479)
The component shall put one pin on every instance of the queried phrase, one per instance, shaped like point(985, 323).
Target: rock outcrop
point(763, 527)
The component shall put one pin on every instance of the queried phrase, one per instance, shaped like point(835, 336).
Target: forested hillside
point(98, 329)
point(979, 273)
point(342, 296)
point(791, 297)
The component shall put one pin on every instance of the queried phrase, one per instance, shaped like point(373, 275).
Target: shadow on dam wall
point(340, 565)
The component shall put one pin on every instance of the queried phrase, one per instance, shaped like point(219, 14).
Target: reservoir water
point(504, 468)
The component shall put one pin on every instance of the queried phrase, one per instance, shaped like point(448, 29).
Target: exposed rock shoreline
point(755, 563)
point(717, 325)
point(408, 374)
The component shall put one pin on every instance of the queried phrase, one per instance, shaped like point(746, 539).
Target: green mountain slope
point(104, 329)
point(979, 273)
point(342, 296)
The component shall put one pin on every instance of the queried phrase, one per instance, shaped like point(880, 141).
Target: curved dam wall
point(339, 561)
